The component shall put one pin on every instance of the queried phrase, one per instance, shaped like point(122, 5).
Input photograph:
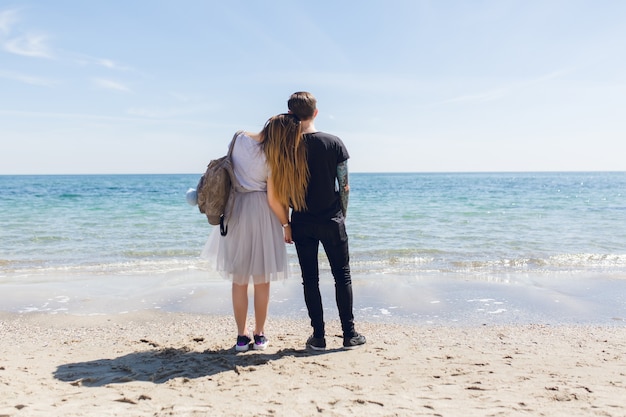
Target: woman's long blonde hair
point(286, 157)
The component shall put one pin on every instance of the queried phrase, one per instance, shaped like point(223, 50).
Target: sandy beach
point(154, 363)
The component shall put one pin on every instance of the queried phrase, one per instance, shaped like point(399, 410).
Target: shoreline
point(396, 299)
point(152, 363)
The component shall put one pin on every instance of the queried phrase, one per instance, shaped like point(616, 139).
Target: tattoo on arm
point(344, 186)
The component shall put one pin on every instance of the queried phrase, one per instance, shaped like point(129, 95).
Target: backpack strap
point(235, 187)
point(232, 142)
point(235, 184)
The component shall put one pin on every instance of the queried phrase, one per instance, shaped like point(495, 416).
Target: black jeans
point(332, 234)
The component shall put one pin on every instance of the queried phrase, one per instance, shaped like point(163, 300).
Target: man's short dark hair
point(302, 104)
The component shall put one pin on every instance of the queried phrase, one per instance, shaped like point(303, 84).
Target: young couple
point(288, 164)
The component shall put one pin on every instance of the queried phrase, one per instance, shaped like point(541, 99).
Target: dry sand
point(174, 364)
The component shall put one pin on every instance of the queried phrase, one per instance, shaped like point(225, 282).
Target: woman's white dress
point(254, 246)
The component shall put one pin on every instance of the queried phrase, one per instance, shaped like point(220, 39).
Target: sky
point(149, 86)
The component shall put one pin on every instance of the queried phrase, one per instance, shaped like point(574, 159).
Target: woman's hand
point(287, 233)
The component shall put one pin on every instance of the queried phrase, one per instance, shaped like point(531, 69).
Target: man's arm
point(344, 186)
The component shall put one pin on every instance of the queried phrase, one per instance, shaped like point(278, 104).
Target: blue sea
point(427, 247)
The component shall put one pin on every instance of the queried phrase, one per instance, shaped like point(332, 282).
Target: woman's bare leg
point(240, 308)
point(261, 306)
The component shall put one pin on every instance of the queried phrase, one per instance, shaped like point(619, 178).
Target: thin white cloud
point(186, 97)
point(504, 91)
point(30, 44)
point(360, 82)
point(86, 61)
point(107, 63)
point(111, 85)
point(7, 19)
point(27, 79)
point(171, 112)
point(186, 104)
point(142, 112)
point(55, 115)
point(547, 77)
point(480, 97)
point(99, 117)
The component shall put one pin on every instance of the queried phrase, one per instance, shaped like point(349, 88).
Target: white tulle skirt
point(254, 247)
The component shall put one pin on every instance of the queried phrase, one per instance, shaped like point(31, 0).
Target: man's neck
point(308, 126)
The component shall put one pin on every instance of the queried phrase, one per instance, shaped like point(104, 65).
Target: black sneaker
point(354, 342)
point(316, 343)
point(260, 342)
point(243, 343)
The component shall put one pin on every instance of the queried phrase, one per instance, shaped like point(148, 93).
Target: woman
point(271, 165)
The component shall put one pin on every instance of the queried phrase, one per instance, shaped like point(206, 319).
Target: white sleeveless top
point(249, 163)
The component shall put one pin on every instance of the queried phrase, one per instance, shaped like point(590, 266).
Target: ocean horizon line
point(351, 172)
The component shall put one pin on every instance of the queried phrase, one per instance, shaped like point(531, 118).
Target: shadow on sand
point(161, 365)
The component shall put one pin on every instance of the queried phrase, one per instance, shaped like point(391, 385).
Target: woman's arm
point(344, 186)
point(280, 210)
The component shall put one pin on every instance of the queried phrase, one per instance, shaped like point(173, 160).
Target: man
point(323, 221)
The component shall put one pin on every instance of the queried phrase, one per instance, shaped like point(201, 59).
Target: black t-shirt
point(324, 153)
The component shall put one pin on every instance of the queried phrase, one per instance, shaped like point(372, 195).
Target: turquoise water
point(427, 248)
point(491, 223)
point(474, 225)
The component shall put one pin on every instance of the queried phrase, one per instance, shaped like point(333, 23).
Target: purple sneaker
point(243, 343)
point(260, 342)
